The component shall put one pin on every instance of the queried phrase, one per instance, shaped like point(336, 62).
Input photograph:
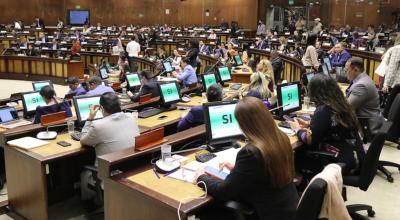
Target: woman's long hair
point(260, 129)
point(265, 67)
point(259, 82)
point(323, 90)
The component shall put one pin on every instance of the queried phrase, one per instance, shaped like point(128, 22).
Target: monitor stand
point(222, 146)
point(169, 107)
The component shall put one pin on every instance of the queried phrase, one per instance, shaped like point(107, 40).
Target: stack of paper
point(27, 143)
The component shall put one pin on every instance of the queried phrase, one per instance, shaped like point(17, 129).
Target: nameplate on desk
point(83, 49)
point(362, 48)
point(267, 49)
point(5, 32)
point(63, 48)
point(100, 51)
point(26, 32)
point(63, 42)
point(179, 35)
point(44, 56)
point(169, 40)
point(326, 44)
point(202, 35)
point(290, 41)
point(104, 38)
point(60, 58)
point(38, 28)
point(21, 55)
point(274, 39)
point(22, 48)
point(83, 43)
point(365, 37)
point(251, 47)
point(287, 33)
point(50, 37)
point(99, 43)
point(130, 34)
point(73, 37)
point(345, 35)
point(45, 48)
point(304, 34)
point(9, 36)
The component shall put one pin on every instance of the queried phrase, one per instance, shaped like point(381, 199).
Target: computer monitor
point(78, 17)
point(238, 60)
point(221, 124)
point(167, 66)
point(328, 63)
point(208, 80)
point(30, 101)
point(133, 80)
point(40, 84)
point(8, 114)
point(82, 106)
point(224, 74)
point(289, 97)
point(103, 73)
point(170, 93)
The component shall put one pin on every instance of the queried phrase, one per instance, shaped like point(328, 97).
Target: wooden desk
point(157, 122)
point(147, 197)
point(194, 101)
point(28, 171)
point(38, 68)
point(240, 76)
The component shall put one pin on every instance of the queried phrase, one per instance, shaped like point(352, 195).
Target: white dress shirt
point(133, 48)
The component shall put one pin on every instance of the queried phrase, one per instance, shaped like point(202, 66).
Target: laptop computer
point(9, 118)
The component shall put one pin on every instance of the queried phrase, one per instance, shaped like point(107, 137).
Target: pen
point(155, 172)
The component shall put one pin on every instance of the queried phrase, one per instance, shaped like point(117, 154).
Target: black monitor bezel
point(77, 112)
point(279, 96)
point(203, 80)
point(28, 113)
point(219, 74)
point(101, 75)
point(127, 81)
point(42, 81)
point(236, 63)
point(162, 95)
point(14, 118)
point(165, 69)
point(207, 123)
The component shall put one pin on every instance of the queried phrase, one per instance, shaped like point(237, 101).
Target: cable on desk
point(189, 198)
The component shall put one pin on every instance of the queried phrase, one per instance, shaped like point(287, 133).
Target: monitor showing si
point(289, 97)
point(170, 93)
point(224, 74)
point(40, 84)
point(83, 104)
point(30, 101)
point(221, 124)
point(132, 80)
point(208, 80)
point(238, 60)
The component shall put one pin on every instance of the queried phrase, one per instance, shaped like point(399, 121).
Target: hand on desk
point(199, 172)
point(228, 166)
point(298, 124)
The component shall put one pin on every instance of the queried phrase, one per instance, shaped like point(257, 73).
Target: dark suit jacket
point(149, 87)
point(192, 56)
point(193, 118)
point(45, 110)
point(277, 66)
point(249, 182)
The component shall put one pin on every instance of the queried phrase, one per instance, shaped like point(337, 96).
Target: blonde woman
point(259, 86)
point(265, 67)
point(283, 44)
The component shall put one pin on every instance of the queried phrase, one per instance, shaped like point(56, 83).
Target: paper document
point(287, 131)
point(184, 175)
point(27, 142)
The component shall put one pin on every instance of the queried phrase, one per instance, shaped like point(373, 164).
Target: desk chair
point(98, 200)
point(392, 135)
point(311, 203)
point(367, 172)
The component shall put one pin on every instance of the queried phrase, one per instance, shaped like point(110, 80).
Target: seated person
point(265, 67)
point(259, 83)
point(187, 76)
point(195, 116)
point(340, 56)
point(119, 75)
point(75, 87)
point(96, 88)
point(203, 48)
point(161, 54)
point(176, 61)
point(362, 95)
point(262, 175)
point(52, 105)
point(149, 86)
point(114, 132)
point(333, 128)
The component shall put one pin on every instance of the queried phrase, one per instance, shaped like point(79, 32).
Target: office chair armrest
point(91, 168)
point(320, 154)
point(239, 207)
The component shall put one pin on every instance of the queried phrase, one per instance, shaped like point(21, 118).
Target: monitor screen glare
point(84, 105)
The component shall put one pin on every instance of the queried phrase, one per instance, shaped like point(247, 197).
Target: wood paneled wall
point(121, 12)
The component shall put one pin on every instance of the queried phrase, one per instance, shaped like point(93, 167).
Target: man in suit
point(362, 94)
point(195, 116)
point(277, 66)
point(149, 86)
point(340, 56)
point(114, 132)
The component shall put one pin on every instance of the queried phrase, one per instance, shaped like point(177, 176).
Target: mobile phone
point(215, 173)
point(162, 117)
point(64, 143)
point(287, 118)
